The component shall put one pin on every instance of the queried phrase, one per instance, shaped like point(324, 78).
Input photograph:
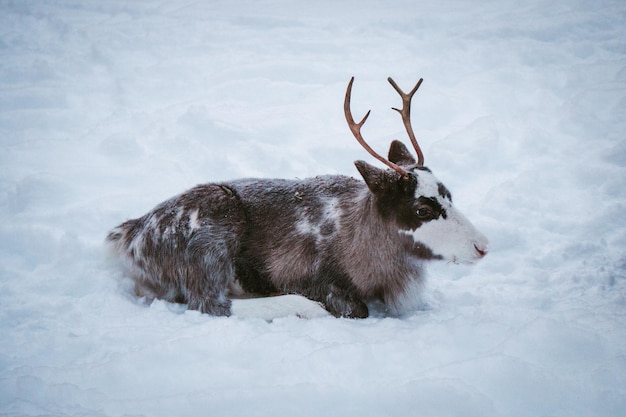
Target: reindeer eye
point(424, 212)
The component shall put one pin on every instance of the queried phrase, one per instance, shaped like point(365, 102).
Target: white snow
point(107, 108)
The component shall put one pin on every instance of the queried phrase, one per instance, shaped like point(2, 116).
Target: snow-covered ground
point(109, 107)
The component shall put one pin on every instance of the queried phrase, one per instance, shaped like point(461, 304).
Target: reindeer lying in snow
point(333, 239)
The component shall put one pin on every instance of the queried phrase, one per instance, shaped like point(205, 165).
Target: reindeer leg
point(342, 302)
point(211, 270)
point(205, 289)
point(335, 291)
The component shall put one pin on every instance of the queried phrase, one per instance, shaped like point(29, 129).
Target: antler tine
point(406, 115)
point(355, 128)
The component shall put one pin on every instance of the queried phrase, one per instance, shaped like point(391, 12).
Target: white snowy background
point(109, 107)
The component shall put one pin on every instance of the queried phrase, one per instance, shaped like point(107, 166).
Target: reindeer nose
point(481, 250)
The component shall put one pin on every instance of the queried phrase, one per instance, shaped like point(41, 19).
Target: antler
point(355, 128)
point(406, 116)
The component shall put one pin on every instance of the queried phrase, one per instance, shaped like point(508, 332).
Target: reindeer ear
point(399, 154)
point(379, 181)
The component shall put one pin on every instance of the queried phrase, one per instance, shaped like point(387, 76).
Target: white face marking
point(454, 238)
point(428, 185)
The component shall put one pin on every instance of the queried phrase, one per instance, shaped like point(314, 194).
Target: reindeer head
point(409, 195)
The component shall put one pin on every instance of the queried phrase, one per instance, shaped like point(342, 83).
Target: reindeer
point(333, 239)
